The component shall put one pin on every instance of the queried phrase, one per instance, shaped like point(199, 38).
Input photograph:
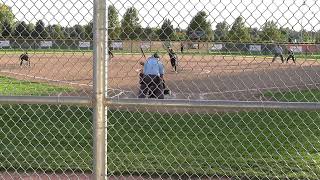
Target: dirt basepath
point(200, 77)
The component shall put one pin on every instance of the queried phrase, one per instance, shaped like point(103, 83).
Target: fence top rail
point(52, 100)
point(225, 104)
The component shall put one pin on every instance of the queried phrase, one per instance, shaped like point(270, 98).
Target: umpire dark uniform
point(152, 81)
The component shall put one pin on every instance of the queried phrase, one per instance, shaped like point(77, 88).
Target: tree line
point(129, 28)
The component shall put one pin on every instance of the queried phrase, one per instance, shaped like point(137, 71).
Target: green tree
point(146, 33)
point(39, 30)
point(199, 28)
point(317, 37)
point(67, 31)
point(255, 34)
point(6, 14)
point(54, 31)
point(88, 29)
point(167, 32)
point(221, 32)
point(57, 32)
point(72, 33)
point(307, 36)
point(239, 32)
point(21, 30)
point(30, 28)
point(130, 27)
point(6, 28)
point(113, 23)
point(79, 31)
point(271, 32)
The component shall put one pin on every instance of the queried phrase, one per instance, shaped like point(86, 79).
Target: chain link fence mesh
point(263, 51)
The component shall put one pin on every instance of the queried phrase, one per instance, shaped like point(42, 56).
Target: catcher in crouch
point(24, 57)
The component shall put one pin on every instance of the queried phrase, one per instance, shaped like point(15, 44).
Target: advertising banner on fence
point(297, 49)
point(195, 46)
point(4, 44)
point(255, 48)
point(84, 44)
point(216, 47)
point(46, 44)
point(117, 45)
point(145, 45)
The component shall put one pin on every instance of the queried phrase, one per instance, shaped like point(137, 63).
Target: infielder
point(278, 51)
point(24, 57)
point(291, 55)
point(173, 59)
point(110, 54)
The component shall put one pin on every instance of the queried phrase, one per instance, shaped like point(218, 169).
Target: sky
point(288, 13)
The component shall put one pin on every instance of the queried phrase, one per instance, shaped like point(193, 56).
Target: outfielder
point(24, 57)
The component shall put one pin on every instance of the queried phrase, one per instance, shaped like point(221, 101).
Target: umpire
point(152, 81)
point(278, 51)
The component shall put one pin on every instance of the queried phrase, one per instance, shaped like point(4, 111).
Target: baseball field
point(263, 144)
point(200, 77)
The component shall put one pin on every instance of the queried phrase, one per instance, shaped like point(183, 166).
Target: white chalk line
point(202, 71)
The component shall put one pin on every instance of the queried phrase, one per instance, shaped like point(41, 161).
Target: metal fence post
point(99, 21)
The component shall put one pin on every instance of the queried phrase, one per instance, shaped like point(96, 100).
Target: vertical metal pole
point(99, 23)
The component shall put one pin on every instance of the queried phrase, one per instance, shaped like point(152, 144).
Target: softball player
point(24, 57)
point(291, 55)
point(173, 59)
point(110, 54)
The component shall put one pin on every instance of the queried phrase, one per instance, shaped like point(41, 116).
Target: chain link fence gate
point(242, 102)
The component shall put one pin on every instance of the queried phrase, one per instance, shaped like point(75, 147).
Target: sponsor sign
point(145, 45)
point(117, 45)
point(217, 47)
point(255, 48)
point(297, 49)
point(84, 44)
point(4, 43)
point(194, 46)
point(45, 43)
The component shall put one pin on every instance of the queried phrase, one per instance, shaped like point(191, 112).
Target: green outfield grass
point(256, 144)
point(273, 144)
point(311, 95)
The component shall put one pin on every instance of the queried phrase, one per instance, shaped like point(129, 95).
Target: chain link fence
point(140, 89)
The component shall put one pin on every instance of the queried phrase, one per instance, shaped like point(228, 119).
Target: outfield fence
point(148, 46)
point(79, 116)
